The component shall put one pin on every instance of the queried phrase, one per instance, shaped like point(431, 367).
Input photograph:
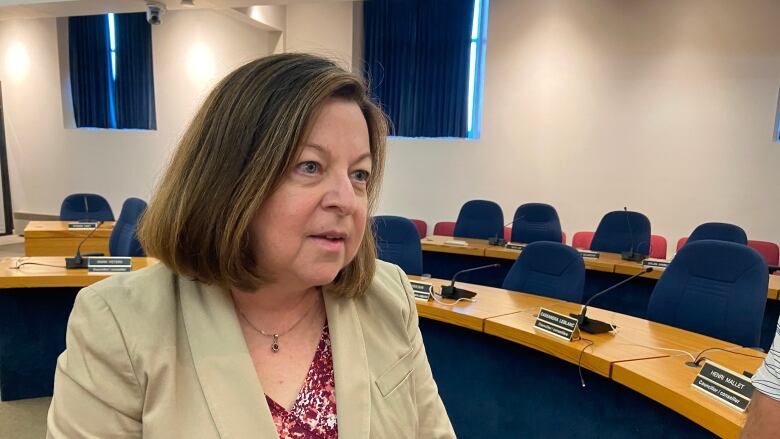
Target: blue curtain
point(417, 59)
point(134, 88)
point(89, 70)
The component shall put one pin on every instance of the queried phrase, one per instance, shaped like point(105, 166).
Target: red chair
point(422, 227)
point(681, 242)
point(582, 240)
point(769, 250)
point(444, 228)
point(657, 247)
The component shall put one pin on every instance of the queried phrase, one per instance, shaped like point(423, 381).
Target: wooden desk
point(607, 262)
point(636, 338)
point(774, 286)
point(35, 303)
point(53, 238)
point(435, 243)
point(490, 302)
point(632, 268)
point(52, 273)
point(642, 356)
point(668, 381)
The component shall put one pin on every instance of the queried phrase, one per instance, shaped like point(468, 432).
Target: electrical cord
point(20, 262)
point(451, 303)
point(579, 360)
point(699, 358)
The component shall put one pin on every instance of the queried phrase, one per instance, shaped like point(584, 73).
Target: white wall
point(321, 28)
point(191, 50)
point(667, 107)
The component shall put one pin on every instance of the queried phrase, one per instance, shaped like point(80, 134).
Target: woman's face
point(312, 226)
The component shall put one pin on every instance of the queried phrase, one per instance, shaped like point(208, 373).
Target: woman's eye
point(361, 176)
point(309, 167)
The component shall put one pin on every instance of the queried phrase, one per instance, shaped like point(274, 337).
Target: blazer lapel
point(230, 385)
point(350, 368)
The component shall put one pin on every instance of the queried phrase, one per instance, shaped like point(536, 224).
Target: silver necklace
point(275, 336)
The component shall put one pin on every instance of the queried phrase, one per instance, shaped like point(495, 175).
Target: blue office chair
point(548, 269)
point(123, 241)
point(716, 288)
point(621, 231)
point(85, 207)
point(480, 219)
point(719, 232)
point(397, 241)
point(536, 222)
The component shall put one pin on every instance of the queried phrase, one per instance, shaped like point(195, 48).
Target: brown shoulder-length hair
point(239, 147)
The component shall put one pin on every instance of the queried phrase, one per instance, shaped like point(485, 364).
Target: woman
point(269, 314)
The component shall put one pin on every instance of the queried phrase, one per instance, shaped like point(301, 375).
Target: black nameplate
point(74, 226)
point(588, 254)
point(656, 263)
point(513, 246)
point(422, 290)
point(729, 387)
point(109, 264)
point(110, 261)
point(559, 325)
point(107, 269)
point(735, 382)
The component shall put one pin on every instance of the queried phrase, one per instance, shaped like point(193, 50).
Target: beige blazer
point(155, 355)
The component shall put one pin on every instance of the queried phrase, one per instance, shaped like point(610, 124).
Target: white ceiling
point(16, 9)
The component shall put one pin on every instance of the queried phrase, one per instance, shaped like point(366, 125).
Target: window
point(111, 80)
point(477, 67)
point(424, 62)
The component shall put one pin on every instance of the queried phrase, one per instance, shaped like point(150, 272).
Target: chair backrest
point(480, 219)
point(124, 241)
point(422, 227)
point(507, 233)
point(536, 222)
point(769, 250)
point(582, 240)
point(657, 247)
point(716, 288)
point(548, 269)
point(621, 231)
point(85, 207)
point(397, 241)
point(681, 242)
point(444, 228)
point(720, 232)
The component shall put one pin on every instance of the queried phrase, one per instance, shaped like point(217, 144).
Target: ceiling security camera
point(154, 13)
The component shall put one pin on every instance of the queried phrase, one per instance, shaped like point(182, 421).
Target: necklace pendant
point(275, 343)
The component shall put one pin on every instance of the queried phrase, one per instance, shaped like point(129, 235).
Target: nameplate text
point(422, 290)
point(109, 264)
point(78, 226)
point(725, 385)
point(559, 325)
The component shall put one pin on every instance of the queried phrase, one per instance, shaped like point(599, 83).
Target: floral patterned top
point(313, 414)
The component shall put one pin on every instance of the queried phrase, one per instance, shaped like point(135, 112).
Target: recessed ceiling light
point(188, 3)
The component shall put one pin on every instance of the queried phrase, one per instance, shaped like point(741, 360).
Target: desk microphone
point(80, 261)
point(501, 241)
point(452, 292)
point(595, 326)
point(631, 255)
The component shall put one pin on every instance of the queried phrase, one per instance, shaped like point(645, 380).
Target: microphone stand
point(79, 261)
point(452, 292)
point(595, 326)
